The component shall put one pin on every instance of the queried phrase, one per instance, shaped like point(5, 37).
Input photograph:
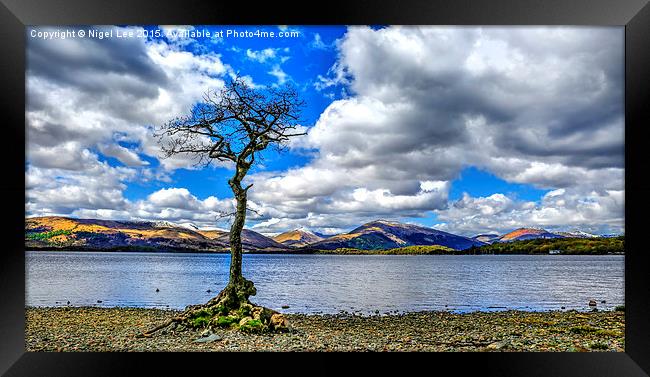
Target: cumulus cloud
point(60, 191)
point(117, 92)
point(175, 204)
point(124, 155)
point(118, 87)
point(598, 212)
point(540, 106)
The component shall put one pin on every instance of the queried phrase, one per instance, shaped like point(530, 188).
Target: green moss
point(252, 326)
point(200, 321)
point(226, 321)
point(244, 311)
point(201, 318)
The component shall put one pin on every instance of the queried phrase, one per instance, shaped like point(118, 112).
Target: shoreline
point(302, 252)
point(114, 329)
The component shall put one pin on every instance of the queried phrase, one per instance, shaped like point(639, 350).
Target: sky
point(469, 130)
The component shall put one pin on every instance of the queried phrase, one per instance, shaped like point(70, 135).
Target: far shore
point(114, 329)
point(310, 252)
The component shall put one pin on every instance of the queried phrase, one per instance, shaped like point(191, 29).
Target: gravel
point(115, 329)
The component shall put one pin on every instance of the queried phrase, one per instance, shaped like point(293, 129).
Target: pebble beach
point(94, 329)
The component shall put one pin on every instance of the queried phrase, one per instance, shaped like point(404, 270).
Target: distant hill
point(62, 233)
point(562, 245)
point(577, 234)
point(297, 238)
point(382, 234)
point(250, 239)
point(522, 234)
point(487, 238)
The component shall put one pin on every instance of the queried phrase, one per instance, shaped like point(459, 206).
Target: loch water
point(329, 283)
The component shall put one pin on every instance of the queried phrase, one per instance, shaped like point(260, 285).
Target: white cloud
point(124, 155)
point(539, 106)
point(318, 43)
point(559, 210)
point(279, 74)
point(117, 92)
point(261, 56)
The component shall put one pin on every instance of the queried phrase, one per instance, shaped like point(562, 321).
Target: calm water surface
point(329, 283)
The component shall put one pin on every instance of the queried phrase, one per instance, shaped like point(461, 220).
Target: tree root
point(229, 309)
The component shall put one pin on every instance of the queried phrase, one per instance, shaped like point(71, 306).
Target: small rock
point(157, 290)
point(68, 302)
point(592, 303)
point(285, 306)
point(278, 321)
point(562, 307)
point(99, 301)
point(603, 302)
point(497, 345)
point(209, 291)
point(208, 339)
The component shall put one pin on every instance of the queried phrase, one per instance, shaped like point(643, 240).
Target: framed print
point(463, 181)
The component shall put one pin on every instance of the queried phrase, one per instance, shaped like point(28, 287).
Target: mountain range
point(90, 234)
point(382, 234)
point(522, 234)
point(297, 238)
point(62, 233)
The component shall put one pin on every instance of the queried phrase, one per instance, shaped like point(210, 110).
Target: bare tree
point(234, 126)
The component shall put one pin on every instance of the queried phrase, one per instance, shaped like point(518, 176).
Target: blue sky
point(469, 130)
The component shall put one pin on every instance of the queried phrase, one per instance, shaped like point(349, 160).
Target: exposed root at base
point(229, 309)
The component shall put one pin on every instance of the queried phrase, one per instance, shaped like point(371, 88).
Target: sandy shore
point(114, 329)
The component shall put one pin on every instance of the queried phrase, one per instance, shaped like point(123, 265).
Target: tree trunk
point(235, 238)
point(239, 289)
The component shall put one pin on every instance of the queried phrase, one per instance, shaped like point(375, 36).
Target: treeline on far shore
point(571, 246)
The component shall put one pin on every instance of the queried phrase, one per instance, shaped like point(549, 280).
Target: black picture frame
point(634, 14)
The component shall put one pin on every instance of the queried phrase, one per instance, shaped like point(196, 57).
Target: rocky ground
point(115, 329)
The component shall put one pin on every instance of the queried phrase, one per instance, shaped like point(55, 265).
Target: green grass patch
point(47, 235)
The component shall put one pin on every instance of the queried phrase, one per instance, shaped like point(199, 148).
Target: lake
point(328, 283)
